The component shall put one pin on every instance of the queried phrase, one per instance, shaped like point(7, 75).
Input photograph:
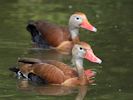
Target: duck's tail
point(34, 32)
point(14, 69)
point(37, 38)
point(17, 72)
point(31, 76)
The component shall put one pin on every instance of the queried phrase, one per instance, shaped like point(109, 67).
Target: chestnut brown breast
point(52, 33)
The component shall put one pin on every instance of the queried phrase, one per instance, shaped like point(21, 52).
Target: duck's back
point(52, 33)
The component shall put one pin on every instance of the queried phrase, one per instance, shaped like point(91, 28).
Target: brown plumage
point(51, 33)
point(45, 34)
point(54, 72)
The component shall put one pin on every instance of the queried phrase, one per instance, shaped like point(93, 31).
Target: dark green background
point(113, 43)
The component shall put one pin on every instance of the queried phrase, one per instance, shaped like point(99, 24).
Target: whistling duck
point(45, 34)
point(55, 72)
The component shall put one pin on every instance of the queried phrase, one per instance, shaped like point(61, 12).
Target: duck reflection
point(53, 90)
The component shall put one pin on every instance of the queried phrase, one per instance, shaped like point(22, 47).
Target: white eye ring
point(81, 49)
point(77, 18)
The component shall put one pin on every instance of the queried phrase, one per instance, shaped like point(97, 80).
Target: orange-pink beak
point(86, 25)
point(91, 57)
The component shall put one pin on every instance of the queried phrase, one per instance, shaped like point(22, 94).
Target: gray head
point(80, 20)
point(83, 50)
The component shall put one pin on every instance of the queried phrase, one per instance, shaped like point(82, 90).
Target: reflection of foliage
point(37, 9)
point(54, 10)
point(20, 12)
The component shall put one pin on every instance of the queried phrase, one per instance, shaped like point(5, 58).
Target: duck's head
point(79, 19)
point(83, 50)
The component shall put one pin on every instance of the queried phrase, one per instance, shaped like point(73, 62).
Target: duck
point(59, 73)
point(46, 35)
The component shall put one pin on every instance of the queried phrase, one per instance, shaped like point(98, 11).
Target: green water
point(113, 43)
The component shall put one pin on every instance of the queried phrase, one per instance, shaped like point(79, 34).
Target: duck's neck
point(78, 62)
point(74, 31)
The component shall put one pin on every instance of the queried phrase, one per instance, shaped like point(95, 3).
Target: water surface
point(112, 43)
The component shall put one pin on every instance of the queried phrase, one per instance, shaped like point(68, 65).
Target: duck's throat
point(79, 65)
point(74, 33)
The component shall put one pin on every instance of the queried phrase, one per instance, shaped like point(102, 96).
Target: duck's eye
point(77, 18)
point(81, 48)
